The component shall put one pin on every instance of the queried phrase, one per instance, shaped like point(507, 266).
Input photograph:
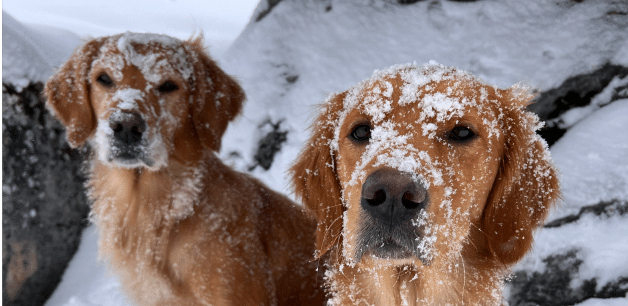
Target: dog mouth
point(393, 217)
point(129, 156)
point(123, 140)
point(402, 242)
point(389, 249)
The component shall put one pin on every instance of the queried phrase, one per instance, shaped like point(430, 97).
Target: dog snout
point(392, 197)
point(128, 128)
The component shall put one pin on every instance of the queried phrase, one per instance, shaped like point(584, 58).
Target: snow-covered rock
point(44, 207)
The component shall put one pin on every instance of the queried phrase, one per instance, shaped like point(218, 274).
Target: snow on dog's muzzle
point(127, 139)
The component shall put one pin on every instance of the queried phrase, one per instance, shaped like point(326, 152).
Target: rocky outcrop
point(44, 207)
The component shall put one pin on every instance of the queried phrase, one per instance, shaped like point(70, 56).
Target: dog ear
point(67, 93)
point(526, 186)
point(218, 98)
point(315, 181)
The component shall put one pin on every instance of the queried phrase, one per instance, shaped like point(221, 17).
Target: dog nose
point(128, 128)
point(392, 196)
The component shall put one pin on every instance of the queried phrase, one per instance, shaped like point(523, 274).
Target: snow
point(220, 20)
point(30, 53)
point(87, 282)
point(302, 51)
point(592, 159)
point(605, 302)
point(152, 66)
point(127, 98)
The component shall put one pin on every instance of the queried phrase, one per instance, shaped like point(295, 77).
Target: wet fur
point(194, 231)
point(504, 204)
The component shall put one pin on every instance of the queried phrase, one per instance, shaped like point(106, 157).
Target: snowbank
point(86, 282)
point(30, 53)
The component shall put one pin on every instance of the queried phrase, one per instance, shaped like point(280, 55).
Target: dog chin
point(391, 250)
point(396, 262)
point(389, 253)
point(386, 251)
point(137, 161)
point(132, 163)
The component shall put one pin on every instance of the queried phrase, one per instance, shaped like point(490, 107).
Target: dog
point(177, 225)
point(427, 185)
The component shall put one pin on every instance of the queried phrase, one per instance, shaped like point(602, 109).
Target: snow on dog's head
point(142, 99)
point(403, 168)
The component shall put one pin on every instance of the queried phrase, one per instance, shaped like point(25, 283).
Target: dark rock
point(615, 289)
point(620, 93)
point(551, 287)
point(291, 79)
point(269, 145)
point(576, 91)
point(44, 207)
point(404, 2)
point(606, 209)
point(271, 4)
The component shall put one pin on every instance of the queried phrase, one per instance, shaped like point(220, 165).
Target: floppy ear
point(315, 181)
point(526, 186)
point(67, 93)
point(218, 98)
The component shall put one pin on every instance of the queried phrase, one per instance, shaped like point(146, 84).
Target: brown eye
point(105, 80)
point(461, 134)
point(167, 87)
point(361, 133)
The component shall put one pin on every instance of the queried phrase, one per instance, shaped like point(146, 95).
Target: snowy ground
point(303, 50)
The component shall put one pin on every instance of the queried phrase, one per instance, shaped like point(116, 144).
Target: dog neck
point(136, 209)
point(445, 283)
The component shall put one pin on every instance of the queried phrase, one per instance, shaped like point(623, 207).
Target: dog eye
point(105, 80)
point(167, 87)
point(361, 133)
point(461, 134)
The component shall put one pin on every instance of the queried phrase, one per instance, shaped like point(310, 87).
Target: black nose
point(392, 197)
point(128, 128)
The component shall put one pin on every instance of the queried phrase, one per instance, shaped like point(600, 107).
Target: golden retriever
point(177, 225)
point(427, 185)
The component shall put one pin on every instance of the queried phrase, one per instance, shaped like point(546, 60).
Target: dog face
point(414, 175)
point(413, 160)
point(142, 99)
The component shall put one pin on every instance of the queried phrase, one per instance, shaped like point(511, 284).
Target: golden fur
point(177, 225)
point(479, 199)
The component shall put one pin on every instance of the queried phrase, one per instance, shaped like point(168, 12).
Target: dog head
point(403, 167)
point(141, 99)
